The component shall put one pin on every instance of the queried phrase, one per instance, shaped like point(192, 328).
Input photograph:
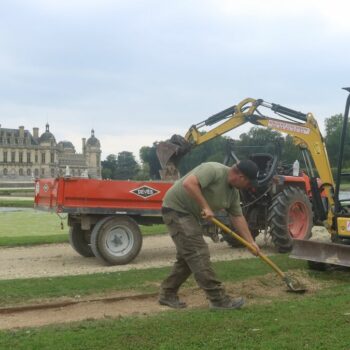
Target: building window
point(13, 157)
point(36, 172)
point(21, 157)
point(5, 172)
point(36, 157)
point(29, 155)
point(42, 172)
point(5, 156)
point(43, 158)
point(21, 172)
point(52, 157)
point(29, 172)
point(52, 172)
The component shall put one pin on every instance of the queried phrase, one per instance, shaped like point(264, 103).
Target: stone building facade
point(24, 155)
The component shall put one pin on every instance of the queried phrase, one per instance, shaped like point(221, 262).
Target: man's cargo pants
point(192, 256)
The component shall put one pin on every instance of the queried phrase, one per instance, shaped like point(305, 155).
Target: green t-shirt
point(212, 178)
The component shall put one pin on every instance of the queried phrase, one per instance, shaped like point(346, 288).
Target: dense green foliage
point(150, 161)
point(120, 167)
point(334, 126)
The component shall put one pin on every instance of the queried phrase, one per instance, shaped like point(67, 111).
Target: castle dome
point(66, 145)
point(47, 136)
point(92, 140)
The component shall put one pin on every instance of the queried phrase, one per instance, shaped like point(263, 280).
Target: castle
point(24, 155)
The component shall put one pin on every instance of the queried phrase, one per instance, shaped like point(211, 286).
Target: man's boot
point(227, 303)
point(172, 301)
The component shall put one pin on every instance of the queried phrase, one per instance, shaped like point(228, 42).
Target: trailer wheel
point(80, 240)
point(116, 240)
point(290, 217)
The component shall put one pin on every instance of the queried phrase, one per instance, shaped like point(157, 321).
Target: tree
point(109, 167)
point(334, 126)
point(126, 167)
point(211, 151)
point(149, 159)
point(259, 140)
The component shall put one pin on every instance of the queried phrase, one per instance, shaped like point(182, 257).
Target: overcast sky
point(139, 71)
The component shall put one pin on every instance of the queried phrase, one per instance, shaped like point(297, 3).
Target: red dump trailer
point(103, 215)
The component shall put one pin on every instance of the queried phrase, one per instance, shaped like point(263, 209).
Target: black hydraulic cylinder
point(289, 112)
point(219, 116)
point(318, 207)
point(337, 205)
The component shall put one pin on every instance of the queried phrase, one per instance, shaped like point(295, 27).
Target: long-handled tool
point(292, 284)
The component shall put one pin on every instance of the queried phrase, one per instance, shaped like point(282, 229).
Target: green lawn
point(312, 321)
point(37, 227)
point(18, 203)
point(17, 191)
point(24, 290)
point(320, 322)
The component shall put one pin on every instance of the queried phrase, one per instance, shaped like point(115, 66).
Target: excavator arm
point(305, 133)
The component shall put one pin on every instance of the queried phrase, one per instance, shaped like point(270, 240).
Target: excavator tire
point(290, 217)
point(80, 241)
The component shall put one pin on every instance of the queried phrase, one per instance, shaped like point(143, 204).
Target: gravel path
point(61, 260)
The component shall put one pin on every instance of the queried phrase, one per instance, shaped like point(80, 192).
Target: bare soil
point(157, 251)
point(259, 290)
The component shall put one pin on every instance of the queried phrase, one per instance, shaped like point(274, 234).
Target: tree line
point(123, 166)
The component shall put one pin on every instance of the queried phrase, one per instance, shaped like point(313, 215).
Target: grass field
point(20, 290)
point(16, 203)
point(17, 192)
point(37, 227)
point(314, 321)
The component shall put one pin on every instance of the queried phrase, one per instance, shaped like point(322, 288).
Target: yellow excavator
point(331, 211)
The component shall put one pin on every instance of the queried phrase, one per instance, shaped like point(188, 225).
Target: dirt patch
point(258, 290)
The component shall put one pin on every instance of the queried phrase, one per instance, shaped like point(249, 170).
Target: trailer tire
point(80, 240)
point(290, 217)
point(116, 240)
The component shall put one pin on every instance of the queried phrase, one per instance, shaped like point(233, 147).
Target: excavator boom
point(306, 134)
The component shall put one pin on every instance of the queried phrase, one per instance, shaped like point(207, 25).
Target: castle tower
point(93, 155)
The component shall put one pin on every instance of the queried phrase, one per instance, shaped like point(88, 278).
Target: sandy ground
point(61, 260)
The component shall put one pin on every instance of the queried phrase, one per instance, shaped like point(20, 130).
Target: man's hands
point(257, 249)
point(207, 213)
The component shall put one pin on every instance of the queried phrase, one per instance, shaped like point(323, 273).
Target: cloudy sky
point(139, 71)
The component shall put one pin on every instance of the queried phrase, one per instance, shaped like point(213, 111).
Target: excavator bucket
point(171, 151)
point(322, 252)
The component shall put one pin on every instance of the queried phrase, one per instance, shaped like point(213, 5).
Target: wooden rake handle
point(249, 246)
